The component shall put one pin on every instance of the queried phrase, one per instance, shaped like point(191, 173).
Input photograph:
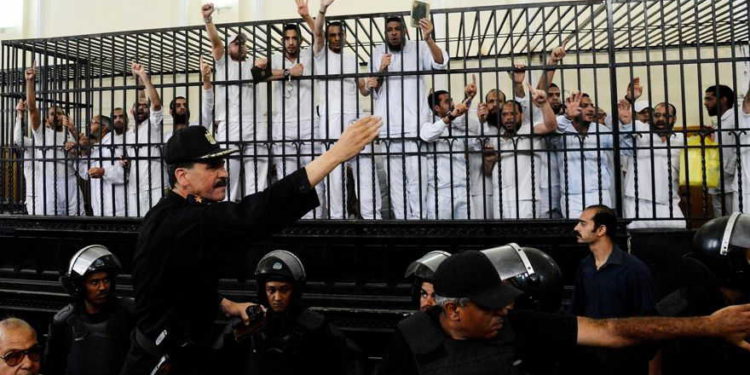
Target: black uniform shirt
point(175, 274)
point(526, 331)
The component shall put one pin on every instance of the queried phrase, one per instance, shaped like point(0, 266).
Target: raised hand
point(206, 11)
point(385, 61)
point(30, 74)
point(302, 9)
point(624, 112)
point(482, 112)
point(356, 136)
point(573, 105)
point(324, 4)
point(68, 124)
point(296, 70)
point(459, 109)
point(205, 69)
point(138, 70)
point(21, 106)
point(539, 97)
point(426, 26)
point(261, 63)
point(371, 83)
point(557, 54)
point(519, 73)
point(471, 89)
point(635, 90)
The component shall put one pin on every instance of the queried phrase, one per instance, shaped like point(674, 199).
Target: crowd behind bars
point(526, 154)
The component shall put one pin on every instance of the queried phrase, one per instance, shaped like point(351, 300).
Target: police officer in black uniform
point(475, 330)
point(716, 274)
point(175, 274)
point(91, 335)
point(286, 337)
point(420, 272)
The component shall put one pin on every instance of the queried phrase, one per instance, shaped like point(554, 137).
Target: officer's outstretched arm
point(730, 323)
point(352, 141)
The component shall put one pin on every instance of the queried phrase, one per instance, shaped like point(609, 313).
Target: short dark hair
point(606, 217)
point(551, 85)
point(171, 168)
point(174, 102)
point(516, 104)
point(394, 19)
point(335, 24)
point(292, 26)
point(723, 91)
point(434, 98)
point(105, 121)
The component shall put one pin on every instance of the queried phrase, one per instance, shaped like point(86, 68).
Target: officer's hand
point(732, 324)
point(356, 137)
point(236, 309)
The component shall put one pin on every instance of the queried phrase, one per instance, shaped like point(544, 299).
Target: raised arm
point(140, 71)
point(34, 119)
point(217, 46)
point(207, 103)
point(304, 11)
point(635, 90)
point(426, 26)
point(549, 119)
point(519, 76)
point(18, 138)
point(730, 323)
point(555, 57)
point(320, 22)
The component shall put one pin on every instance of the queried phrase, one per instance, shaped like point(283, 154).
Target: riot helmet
point(422, 270)
point(90, 259)
point(533, 272)
point(723, 245)
point(280, 265)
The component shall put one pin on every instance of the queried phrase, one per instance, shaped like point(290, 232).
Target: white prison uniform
point(585, 175)
point(401, 102)
point(293, 121)
point(657, 165)
point(337, 109)
point(107, 192)
point(60, 195)
point(729, 166)
point(517, 194)
point(147, 176)
point(239, 119)
point(445, 163)
point(744, 123)
point(32, 185)
point(480, 185)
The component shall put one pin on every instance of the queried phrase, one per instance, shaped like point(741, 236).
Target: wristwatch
point(287, 73)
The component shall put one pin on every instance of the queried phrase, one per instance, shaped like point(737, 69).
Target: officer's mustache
point(577, 233)
point(221, 182)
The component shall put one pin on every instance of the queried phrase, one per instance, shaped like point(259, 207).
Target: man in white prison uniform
point(238, 111)
point(518, 175)
point(147, 177)
point(55, 141)
point(446, 161)
point(293, 105)
point(105, 167)
point(651, 186)
point(32, 185)
point(744, 124)
point(584, 157)
point(338, 107)
point(399, 100)
point(719, 101)
point(480, 188)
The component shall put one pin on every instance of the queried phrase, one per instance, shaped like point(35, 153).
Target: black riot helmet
point(90, 259)
point(280, 265)
point(423, 269)
point(723, 245)
point(533, 272)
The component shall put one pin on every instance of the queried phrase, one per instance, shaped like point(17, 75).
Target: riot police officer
point(715, 275)
point(91, 335)
point(284, 336)
point(420, 272)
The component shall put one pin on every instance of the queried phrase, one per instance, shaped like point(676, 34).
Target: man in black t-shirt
point(474, 329)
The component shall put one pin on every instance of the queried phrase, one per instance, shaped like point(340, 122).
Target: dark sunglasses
point(14, 357)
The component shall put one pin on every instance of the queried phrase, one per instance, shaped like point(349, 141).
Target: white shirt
point(480, 183)
point(50, 146)
point(514, 169)
point(337, 102)
point(448, 142)
point(665, 164)
point(402, 100)
point(239, 96)
point(144, 141)
point(106, 155)
point(573, 147)
point(744, 123)
point(29, 160)
point(728, 150)
point(293, 104)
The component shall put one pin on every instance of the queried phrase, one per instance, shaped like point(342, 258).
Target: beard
point(181, 119)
